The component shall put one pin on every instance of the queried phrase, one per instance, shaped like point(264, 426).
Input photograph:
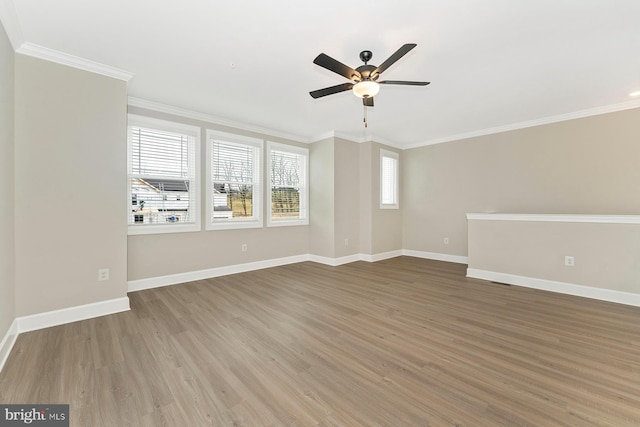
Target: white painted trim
point(458, 259)
point(58, 57)
point(72, 314)
point(603, 219)
point(619, 297)
point(381, 256)
point(208, 118)
point(6, 345)
point(190, 276)
point(11, 23)
point(531, 123)
point(173, 279)
point(334, 262)
point(352, 138)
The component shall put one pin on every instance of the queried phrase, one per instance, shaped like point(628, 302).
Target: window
point(234, 184)
point(389, 179)
point(288, 171)
point(163, 164)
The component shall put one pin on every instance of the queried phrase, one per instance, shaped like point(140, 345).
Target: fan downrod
point(365, 56)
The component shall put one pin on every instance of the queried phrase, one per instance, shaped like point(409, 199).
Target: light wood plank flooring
point(401, 342)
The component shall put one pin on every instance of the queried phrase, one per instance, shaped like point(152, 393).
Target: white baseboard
point(619, 297)
point(334, 262)
point(381, 256)
point(71, 314)
point(353, 258)
point(7, 343)
point(173, 279)
point(436, 256)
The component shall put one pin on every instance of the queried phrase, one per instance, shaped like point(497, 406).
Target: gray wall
point(322, 198)
point(346, 216)
point(607, 256)
point(7, 271)
point(582, 166)
point(347, 198)
point(70, 186)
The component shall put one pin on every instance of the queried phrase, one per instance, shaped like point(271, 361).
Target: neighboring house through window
point(163, 176)
point(288, 196)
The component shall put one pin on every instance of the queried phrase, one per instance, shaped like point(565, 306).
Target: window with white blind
point(288, 195)
point(163, 178)
point(234, 184)
point(389, 179)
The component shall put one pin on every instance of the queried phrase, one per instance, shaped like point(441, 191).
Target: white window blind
point(162, 176)
point(389, 177)
point(234, 189)
point(288, 196)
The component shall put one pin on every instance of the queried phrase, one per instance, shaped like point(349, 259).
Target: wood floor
point(401, 342)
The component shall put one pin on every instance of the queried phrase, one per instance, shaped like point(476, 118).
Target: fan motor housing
point(366, 70)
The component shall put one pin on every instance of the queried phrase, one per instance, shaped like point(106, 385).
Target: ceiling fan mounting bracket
point(365, 56)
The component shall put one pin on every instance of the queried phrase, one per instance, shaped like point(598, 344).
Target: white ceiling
point(492, 64)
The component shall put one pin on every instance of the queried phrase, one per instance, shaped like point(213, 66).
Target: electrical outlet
point(569, 261)
point(446, 240)
point(244, 247)
point(103, 274)
point(346, 242)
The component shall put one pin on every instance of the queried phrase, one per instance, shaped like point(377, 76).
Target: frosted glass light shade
point(366, 89)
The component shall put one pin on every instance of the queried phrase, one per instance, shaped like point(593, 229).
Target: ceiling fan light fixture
point(366, 89)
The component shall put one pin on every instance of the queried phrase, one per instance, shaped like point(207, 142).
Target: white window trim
point(304, 201)
point(256, 222)
point(392, 155)
point(148, 122)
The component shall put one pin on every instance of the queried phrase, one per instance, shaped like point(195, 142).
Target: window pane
point(234, 181)
point(231, 200)
point(286, 175)
point(162, 177)
point(388, 179)
point(159, 153)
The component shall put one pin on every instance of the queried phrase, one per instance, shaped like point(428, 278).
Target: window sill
point(286, 223)
point(136, 230)
point(234, 225)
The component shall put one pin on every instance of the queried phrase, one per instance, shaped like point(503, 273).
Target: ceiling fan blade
point(367, 102)
point(337, 67)
point(402, 82)
point(393, 58)
point(331, 90)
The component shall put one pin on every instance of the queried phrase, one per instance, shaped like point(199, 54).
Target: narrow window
point(389, 180)
point(288, 196)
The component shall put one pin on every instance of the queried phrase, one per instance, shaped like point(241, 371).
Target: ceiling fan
point(364, 79)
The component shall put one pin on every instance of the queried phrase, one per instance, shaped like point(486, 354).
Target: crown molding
point(357, 140)
point(531, 123)
point(52, 55)
point(189, 114)
point(11, 23)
